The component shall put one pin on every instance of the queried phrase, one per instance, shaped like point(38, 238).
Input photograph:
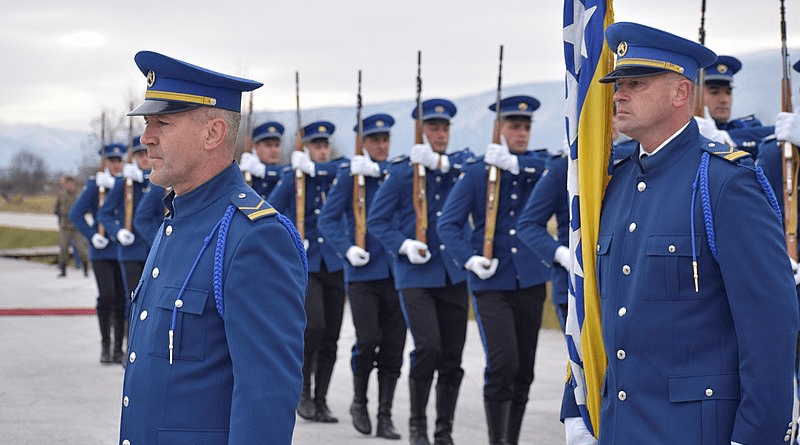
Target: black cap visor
point(632, 71)
point(154, 107)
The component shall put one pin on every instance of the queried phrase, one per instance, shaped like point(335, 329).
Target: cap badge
point(439, 109)
point(116, 149)
point(271, 129)
point(523, 106)
point(151, 78)
point(722, 69)
point(622, 48)
point(322, 129)
point(379, 124)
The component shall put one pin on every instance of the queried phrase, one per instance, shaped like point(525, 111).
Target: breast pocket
point(190, 330)
point(669, 271)
point(602, 267)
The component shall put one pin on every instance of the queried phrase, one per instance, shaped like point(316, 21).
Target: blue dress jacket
point(747, 133)
point(391, 220)
point(282, 199)
point(235, 378)
point(519, 267)
point(112, 216)
point(685, 366)
point(337, 224)
point(273, 173)
point(87, 204)
point(149, 213)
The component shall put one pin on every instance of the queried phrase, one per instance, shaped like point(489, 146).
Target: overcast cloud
point(64, 61)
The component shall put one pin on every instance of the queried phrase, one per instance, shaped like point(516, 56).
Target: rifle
point(129, 181)
point(420, 196)
point(791, 163)
point(101, 191)
point(248, 144)
point(299, 176)
point(493, 183)
point(699, 106)
point(359, 190)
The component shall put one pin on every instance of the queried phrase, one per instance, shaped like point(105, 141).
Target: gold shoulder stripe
point(254, 208)
point(261, 213)
point(736, 155)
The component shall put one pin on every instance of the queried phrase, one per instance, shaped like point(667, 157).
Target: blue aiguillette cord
point(225, 222)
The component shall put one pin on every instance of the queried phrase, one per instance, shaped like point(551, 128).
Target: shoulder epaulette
point(723, 151)
point(252, 205)
point(769, 138)
point(749, 117)
point(400, 158)
point(540, 150)
point(344, 165)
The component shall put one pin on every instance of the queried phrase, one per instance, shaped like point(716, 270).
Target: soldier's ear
point(217, 130)
point(683, 91)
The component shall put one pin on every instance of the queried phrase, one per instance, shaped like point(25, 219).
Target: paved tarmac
point(54, 390)
point(29, 220)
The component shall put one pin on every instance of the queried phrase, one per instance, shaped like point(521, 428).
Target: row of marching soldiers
point(398, 282)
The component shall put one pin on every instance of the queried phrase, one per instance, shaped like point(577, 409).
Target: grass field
point(29, 204)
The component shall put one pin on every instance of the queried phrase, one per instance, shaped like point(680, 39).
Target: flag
point(588, 112)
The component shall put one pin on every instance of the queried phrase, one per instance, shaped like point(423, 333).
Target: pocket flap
point(673, 245)
point(603, 243)
point(194, 300)
point(704, 387)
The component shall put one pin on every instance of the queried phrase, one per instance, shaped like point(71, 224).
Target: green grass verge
point(15, 238)
point(29, 204)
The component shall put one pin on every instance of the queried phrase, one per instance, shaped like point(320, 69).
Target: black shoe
point(385, 428)
point(63, 269)
point(116, 357)
point(417, 421)
point(358, 409)
point(323, 414)
point(105, 355)
point(446, 397)
point(306, 408)
point(85, 270)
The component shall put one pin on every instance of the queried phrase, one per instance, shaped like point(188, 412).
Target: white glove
point(562, 257)
point(99, 241)
point(577, 433)
point(305, 244)
point(499, 156)
point(481, 266)
point(104, 179)
point(251, 163)
point(302, 161)
point(357, 256)
point(787, 127)
point(363, 165)
point(424, 154)
point(708, 128)
point(412, 248)
point(133, 171)
point(125, 237)
point(795, 272)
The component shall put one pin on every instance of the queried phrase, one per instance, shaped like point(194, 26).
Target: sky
point(64, 62)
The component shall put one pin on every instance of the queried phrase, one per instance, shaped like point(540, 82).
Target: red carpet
point(47, 311)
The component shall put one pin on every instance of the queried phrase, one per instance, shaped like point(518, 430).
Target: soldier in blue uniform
point(132, 248)
point(325, 295)
point(377, 316)
point(216, 343)
point(264, 164)
point(745, 132)
point(433, 291)
point(699, 354)
point(149, 213)
point(103, 252)
point(508, 290)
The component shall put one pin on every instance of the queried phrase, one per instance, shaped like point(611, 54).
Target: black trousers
point(324, 309)
point(509, 323)
point(111, 298)
point(133, 272)
point(437, 319)
point(380, 327)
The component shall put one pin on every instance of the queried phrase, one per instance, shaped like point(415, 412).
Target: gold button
point(709, 392)
point(641, 186)
point(132, 357)
point(626, 269)
point(671, 248)
point(155, 272)
point(169, 230)
point(125, 401)
point(143, 315)
point(178, 304)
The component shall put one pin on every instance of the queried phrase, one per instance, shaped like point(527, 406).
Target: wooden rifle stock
point(420, 196)
point(129, 181)
point(493, 182)
point(699, 106)
point(101, 190)
point(299, 176)
point(359, 189)
point(791, 163)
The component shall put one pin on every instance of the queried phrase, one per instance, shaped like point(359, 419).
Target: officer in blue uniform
point(216, 344)
point(325, 296)
point(377, 316)
point(744, 133)
point(433, 291)
point(103, 252)
point(132, 248)
point(264, 164)
point(509, 289)
point(149, 213)
point(699, 354)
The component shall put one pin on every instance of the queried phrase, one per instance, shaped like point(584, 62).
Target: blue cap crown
point(645, 51)
point(797, 66)
point(174, 86)
point(267, 130)
point(377, 123)
point(516, 106)
point(136, 145)
point(436, 109)
point(318, 130)
point(113, 151)
point(721, 72)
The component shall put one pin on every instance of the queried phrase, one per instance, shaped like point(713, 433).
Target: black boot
point(385, 427)
point(85, 269)
point(119, 334)
point(418, 422)
point(322, 379)
point(446, 397)
point(515, 423)
point(358, 409)
point(497, 421)
point(105, 337)
point(63, 268)
point(305, 408)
